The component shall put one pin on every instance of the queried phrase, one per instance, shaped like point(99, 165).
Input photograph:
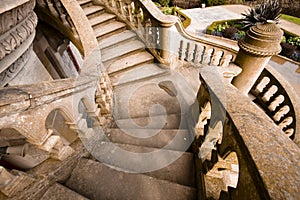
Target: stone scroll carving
point(17, 31)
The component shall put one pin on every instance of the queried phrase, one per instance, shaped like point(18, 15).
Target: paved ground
point(201, 18)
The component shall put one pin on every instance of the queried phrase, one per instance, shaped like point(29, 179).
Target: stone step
point(98, 181)
point(122, 50)
point(101, 20)
point(164, 164)
point(116, 39)
point(85, 3)
point(145, 98)
point(93, 11)
point(60, 192)
point(141, 73)
point(107, 30)
point(172, 121)
point(172, 139)
point(129, 61)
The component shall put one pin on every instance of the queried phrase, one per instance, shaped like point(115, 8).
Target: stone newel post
point(261, 42)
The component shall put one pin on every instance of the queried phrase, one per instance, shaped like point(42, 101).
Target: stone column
point(261, 42)
point(17, 31)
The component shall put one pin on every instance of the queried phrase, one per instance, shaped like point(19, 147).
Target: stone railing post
point(164, 43)
point(261, 42)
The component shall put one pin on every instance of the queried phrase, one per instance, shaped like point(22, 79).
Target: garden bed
point(233, 29)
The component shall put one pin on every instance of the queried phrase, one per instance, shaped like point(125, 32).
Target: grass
point(289, 18)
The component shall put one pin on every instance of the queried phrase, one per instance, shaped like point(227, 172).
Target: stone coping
point(7, 5)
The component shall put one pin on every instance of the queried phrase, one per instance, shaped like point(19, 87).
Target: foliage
point(289, 18)
point(267, 11)
point(169, 10)
point(164, 3)
point(294, 41)
point(214, 2)
point(290, 51)
point(230, 32)
point(287, 49)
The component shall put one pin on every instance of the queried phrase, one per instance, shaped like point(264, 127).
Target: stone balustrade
point(26, 108)
point(145, 18)
point(237, 125)
point(17, 31)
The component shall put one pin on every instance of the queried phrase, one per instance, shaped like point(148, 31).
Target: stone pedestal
point(259, 45)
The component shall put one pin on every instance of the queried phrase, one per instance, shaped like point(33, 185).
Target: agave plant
point(267, 11)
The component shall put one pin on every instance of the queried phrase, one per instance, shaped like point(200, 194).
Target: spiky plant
point(267, 11)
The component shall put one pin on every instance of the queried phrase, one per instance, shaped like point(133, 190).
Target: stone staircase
point(135, 79)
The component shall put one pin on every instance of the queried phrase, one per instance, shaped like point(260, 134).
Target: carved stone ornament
point(17, 35)
point(12, 17)
point(262, 40)
point(15, 68)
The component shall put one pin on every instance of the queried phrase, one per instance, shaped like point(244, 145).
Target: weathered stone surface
point(277, 158)
point(172, 121)
point(97, 181)
point(60, 192)
point(159, 140)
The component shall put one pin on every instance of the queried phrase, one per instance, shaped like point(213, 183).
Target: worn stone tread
point(145, 71)
point(83, 2)
point(92, 9)
point(60, 192)
point(116, 39)
point(101, 19)
point(161, 138)
point(129, 62)
point(121, 50)
point(98, 181)
point(172, 121)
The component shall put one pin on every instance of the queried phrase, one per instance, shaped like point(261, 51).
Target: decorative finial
point(267, 12)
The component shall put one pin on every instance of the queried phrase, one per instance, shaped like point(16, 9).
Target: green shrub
point(294, 41)
point(164, 3)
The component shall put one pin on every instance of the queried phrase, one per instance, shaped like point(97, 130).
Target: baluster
point(207, 56)
point(277, 101)
point(262, 84)
point(289, 132)
point(198, 54)
point(190, 51)
point(282, 111)
point(217, 57)
point(147, 29)
point(286, 122)
point(270, 92)
point(155, 38)
point(129, 10)
point(120, 6)
point(182, 50)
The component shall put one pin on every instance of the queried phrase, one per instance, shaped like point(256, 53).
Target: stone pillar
point(164, 39)
point(261, 42)
point(17, 31)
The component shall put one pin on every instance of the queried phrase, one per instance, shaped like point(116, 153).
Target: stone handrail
point(268, 161)
point(68, 18)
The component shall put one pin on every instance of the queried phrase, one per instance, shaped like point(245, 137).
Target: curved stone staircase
point(138, 83)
